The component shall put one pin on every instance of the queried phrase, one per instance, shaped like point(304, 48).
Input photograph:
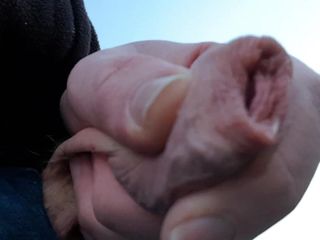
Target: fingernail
point(270, 131)
point(147, 95)
point(275, 127)
point(205, 229)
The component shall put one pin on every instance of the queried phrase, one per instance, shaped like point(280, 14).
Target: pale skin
point(111, 140)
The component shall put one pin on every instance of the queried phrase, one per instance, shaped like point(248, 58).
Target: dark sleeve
point(40, 42)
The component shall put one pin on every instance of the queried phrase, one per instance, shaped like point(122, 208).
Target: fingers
point(132, 98)
point(115, 209)
point(81, 170)
point(175, 53)
point(105, 210)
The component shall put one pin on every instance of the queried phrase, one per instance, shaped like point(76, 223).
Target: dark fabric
point(40, 42)
point(22, 215)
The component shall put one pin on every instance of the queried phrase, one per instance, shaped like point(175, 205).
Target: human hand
point(268, 141)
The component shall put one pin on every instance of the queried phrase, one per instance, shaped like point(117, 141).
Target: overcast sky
point(295, 24)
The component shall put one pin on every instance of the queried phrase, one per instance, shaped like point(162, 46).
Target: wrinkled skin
point(234, 137)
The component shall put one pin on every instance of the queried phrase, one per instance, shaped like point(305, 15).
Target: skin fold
point(167, 133)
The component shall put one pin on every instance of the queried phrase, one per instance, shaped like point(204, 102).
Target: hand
point(127, 127)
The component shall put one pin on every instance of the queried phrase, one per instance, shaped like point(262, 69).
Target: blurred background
point(295, 24)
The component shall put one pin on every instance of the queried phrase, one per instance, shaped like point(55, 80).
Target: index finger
point(183, 54)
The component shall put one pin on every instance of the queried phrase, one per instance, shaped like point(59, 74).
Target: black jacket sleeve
point(40, 42)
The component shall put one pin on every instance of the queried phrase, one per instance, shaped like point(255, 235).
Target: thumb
point(207, 228)
point(188, 220)
point(117, 95)
point(238, 209)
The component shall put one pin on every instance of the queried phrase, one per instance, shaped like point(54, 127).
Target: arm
point(40, 42)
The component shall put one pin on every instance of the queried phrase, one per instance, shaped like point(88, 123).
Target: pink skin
point(254, 157)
